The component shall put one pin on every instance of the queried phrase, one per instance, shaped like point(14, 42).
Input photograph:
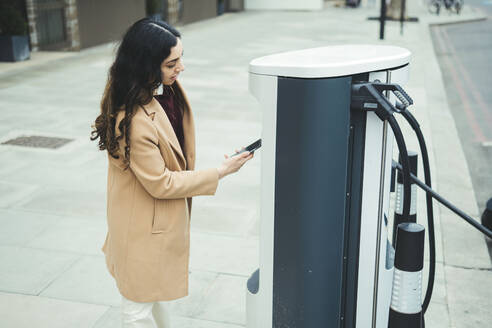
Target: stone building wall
point(173, 11)
point(72, 25)
point(31, 20)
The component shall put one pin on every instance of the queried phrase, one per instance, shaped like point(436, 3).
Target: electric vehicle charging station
point(325, 259)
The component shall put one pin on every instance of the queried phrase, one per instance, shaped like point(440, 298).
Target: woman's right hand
point(233, 163)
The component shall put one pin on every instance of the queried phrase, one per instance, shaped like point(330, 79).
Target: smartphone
point(251, 148)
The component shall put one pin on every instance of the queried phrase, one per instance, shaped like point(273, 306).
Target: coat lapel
point(155, 111)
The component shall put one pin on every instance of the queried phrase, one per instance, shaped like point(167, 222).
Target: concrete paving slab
point(12, 193)
point(29, 271)
point(110, 319)
point(184, 322)
point(36, 58)
point(231, 131)
point(462, 197)
point(23, 311)
point(53, 174)
point(20, 227)
point(82, 236)
point(455, 159)
point(224, 254)
point(23, 99)
point(228, 127)
point(226, 300)
point(16, 158)
point(207, 108)
point(183, 311)
point(228, 220)
point(463, 245)
point(87, 281)
point(66, 202)
point(254, 228)
point(200, 284)
point(455, 183)
point(469, 297)
point(43, 124)
point(437, 316)
point(239, 193)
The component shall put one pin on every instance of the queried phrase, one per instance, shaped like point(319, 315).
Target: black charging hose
point(402, 148)
point(431, 193)
point(483, 229)
point(400, 141)
point(430, 210)
point(368, 96)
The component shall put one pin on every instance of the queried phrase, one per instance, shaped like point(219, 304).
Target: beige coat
point(149, 206)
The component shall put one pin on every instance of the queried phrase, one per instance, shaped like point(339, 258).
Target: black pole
point(402, 15)
point(382, 19)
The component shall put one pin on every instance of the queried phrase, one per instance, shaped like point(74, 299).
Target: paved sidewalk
point(36, 58)
point(52, 209)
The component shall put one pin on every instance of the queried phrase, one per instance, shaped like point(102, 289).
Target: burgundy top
point(175, 116)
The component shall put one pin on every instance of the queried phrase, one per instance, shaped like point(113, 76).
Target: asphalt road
point(464, 51)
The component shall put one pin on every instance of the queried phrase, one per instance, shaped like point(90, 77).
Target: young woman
point(150, 140)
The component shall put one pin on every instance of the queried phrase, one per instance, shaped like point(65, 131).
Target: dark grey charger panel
point(313, 128)
point(352, 224)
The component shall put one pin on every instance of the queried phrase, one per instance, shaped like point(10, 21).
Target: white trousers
point(144, 315)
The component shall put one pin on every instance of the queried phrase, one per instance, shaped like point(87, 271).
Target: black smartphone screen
point(254, 146)
point(251, 148)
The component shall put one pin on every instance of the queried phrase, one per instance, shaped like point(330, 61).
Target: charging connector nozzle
point(369, 96)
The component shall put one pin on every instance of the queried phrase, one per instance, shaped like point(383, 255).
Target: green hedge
point(12, 21)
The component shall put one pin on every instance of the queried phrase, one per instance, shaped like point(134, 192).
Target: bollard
point(406, 298)
point(398, 218)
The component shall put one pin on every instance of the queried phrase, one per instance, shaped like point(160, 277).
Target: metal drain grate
point(38, 142)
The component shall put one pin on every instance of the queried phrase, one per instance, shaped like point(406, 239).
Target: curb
point(473, 15)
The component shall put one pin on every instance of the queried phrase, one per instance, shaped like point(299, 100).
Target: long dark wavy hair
point(132, 80)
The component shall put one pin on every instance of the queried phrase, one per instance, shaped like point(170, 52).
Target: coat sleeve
point(147, 164)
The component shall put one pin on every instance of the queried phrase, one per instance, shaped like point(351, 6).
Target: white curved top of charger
point(331, 61)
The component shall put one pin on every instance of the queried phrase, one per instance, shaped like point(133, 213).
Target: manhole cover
point(38, 141)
